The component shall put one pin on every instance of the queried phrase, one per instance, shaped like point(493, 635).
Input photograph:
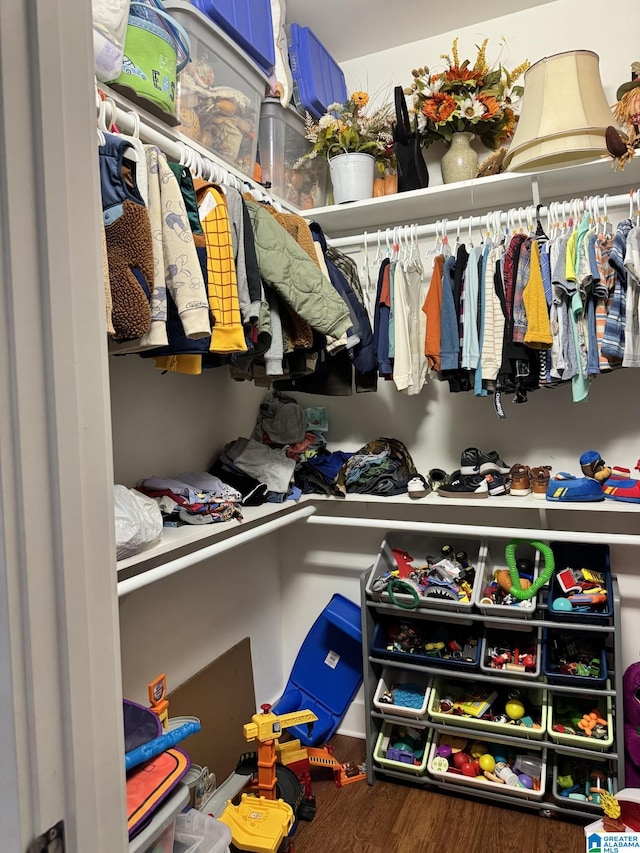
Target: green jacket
point(288, 269)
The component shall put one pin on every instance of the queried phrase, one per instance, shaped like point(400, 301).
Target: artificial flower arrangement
point(465, 97)
point(349, 128)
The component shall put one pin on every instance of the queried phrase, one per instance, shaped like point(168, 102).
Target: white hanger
point(379, 254)
point(470, 235)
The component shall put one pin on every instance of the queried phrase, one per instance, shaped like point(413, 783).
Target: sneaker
point(566, 487)
point(491, 461)
point(622, 490)
point(470, 461)
point(497, 483)
point(520, 480)
point(459, 486)
point(474, 461)
point(417, 487)
point(539, 481)
point(436, 478)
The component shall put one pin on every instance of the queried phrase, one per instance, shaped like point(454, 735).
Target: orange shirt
point(433, 309)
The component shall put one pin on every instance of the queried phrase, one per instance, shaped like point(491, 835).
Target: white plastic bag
point(110, 19)
point(138, 521)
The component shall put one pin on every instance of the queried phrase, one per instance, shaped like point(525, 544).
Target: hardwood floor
point(390, 817)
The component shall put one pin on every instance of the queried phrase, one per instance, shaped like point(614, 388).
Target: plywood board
point(222, 696)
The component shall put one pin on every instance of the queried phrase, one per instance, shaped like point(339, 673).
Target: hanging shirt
point(227, 334)
point(613, 341)
point(449, 334)
point(494, 320)
point(470, 345)
point(632, 324)
point(432, 309)
point(538, 333)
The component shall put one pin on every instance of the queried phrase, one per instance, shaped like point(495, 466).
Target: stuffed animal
point(631, 693)
point(621, 143)
point(593, 465)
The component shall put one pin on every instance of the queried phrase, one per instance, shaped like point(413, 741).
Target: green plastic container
point(156, 48)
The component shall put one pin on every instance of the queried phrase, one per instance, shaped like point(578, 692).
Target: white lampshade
point(564, 114)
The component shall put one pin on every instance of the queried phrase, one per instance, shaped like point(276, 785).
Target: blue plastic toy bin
point(581, 556)
point(248, 23)
point(327, 672)
point(552, 642)
point(460, 642)
point(317, 77)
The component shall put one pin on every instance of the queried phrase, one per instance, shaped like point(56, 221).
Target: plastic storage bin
point(199, 832)
point(398, 678)
point(248, 23)
point(585, 704)
point(525, 641)
point(318, 80)
point(281, 143)
point(419, 547)
point(436, 768)
point(554, 641)
point(585, 773)
point(219, 92)
point(461, 643)
point(495, 560)
point(535, 699)
point(391, 735)
point(164, 842)
point(579, 556)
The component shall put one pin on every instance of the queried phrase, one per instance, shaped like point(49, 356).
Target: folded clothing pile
point(193, 498)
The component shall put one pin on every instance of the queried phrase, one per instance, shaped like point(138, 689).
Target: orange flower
point(360, 99)
point(462, 75)
point(491, 106)
point(439, 107)
point(510, 123)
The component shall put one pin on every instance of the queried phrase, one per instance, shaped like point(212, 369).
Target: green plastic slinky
point(400, 586)
point(543, 578)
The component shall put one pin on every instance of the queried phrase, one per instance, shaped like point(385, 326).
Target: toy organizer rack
point(551, 750)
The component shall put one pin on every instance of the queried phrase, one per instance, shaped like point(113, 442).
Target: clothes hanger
point(470, 245)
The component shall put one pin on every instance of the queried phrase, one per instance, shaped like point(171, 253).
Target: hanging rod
point(131, 120)
point(173, 566)
point(505, 217)
point(479, 530)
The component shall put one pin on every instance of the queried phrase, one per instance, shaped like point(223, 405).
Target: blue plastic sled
point(327, 672)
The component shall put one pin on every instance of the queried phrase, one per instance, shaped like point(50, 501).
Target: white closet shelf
point(185, 546)
point(497, 192)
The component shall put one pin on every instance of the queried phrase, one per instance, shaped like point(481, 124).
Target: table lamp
point(564, 114)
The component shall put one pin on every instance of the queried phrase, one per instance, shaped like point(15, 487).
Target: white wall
point(531, 34)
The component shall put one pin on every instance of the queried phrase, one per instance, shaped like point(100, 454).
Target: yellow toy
point(259, 824)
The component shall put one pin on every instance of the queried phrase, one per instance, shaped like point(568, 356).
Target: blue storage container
point(551, 664)
point(580, 556)
point(318, 79)
point(327, 672)
point(429, 632)
point(248, 23)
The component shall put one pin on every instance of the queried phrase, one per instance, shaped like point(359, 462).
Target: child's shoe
point(520, 481)
point(566, 487)
point(539, 481)
point(497, 484)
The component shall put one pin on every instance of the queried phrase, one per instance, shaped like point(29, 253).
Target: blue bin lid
point(248, 23)
point(318, 77)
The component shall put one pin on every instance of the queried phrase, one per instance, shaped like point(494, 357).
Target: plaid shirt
point(613, 339)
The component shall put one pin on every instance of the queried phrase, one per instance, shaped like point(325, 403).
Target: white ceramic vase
point(460, 161)
point(352, 177)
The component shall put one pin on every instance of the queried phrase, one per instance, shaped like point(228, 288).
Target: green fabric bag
point(156, 48)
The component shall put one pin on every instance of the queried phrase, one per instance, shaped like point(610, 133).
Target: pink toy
point(631, 692)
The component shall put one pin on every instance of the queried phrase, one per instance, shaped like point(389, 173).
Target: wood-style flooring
point(389, 817)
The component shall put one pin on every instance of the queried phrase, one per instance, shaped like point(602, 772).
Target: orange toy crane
point(267, 728)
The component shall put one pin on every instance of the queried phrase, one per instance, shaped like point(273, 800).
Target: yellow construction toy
point(259, 824)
